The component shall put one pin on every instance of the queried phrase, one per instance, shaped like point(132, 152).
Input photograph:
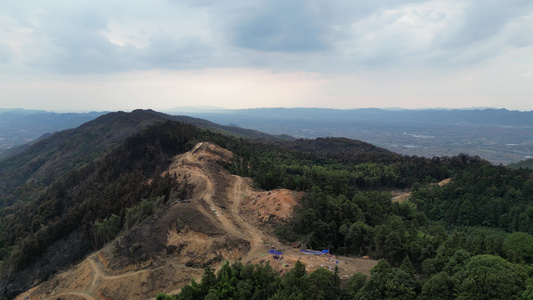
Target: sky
point(87, 55)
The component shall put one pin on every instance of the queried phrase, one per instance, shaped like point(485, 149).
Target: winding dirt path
point(78, 294)
point(231, 221)
point(255, 236)
point(98, 268)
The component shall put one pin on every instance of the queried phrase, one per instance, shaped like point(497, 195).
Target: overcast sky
point(121, 55)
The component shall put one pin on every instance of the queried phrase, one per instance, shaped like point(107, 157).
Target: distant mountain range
point(498, 135)
point(489, 116)
point(19, 126)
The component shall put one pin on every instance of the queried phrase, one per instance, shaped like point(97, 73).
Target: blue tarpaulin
point(275, 252)
point(325, 251)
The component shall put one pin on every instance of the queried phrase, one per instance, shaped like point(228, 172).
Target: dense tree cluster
point(325, 164)
point(488, 196)
point(261, 281)
point(464, 277)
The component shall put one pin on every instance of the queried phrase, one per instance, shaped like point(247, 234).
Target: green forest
point(464, 277)
point(470, 239)
point(478, 224)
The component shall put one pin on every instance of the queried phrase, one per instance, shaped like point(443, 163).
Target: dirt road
point(230, 218)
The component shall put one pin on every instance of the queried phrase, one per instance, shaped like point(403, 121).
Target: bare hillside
point(225, 218)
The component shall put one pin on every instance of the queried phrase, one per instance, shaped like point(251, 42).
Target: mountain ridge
point(346, 206)
point(38, 163)
point(78, 177)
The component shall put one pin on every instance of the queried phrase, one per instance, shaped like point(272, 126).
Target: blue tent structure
point(325, 251)
point(275, 252)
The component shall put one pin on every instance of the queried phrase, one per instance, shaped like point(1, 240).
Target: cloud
point(310, 35)
point(167, 52)
point(528, 74)
point(92, 37)
point(519, 32)
point(6, 53)
point(285, 26)
point(434, 33)
point(482, 20)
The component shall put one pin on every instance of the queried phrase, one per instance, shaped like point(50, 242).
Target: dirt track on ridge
point(231, 220)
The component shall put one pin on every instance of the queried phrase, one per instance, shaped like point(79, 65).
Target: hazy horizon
point(217, 109)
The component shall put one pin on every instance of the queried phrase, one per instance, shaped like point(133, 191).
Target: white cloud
point(381, 41)
point(103, 36)
point(6, 53)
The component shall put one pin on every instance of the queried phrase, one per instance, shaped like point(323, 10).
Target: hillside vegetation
point(66, 214)
point(25, 175)
point(445, 236)
point(528, 163)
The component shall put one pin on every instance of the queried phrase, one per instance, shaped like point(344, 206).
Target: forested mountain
point(48, 190)
point(63, 216)
point(19, 128)
point(71, 193)
point(24, 176)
